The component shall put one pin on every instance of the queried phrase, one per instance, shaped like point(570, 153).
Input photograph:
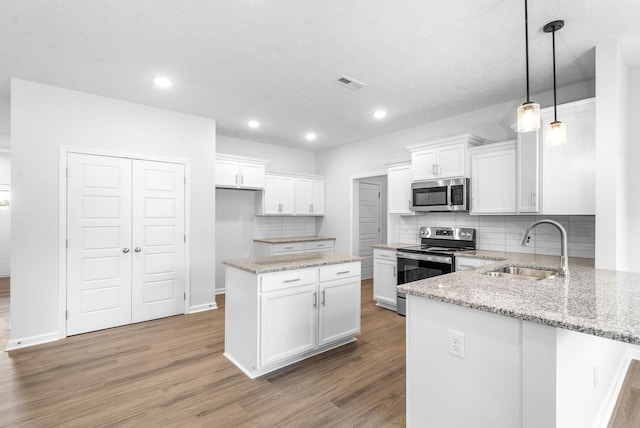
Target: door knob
point(137, 249)
point(125, 250)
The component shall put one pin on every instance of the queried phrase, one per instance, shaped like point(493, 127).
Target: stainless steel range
point(434, 256)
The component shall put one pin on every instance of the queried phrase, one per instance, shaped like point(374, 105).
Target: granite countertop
point(290, 262)
point(599, 302)
point(294, 239)
point(392, 246)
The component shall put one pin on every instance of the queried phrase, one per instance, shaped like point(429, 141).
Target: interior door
point(98, 242)
point(158, 240)
point(369, 224)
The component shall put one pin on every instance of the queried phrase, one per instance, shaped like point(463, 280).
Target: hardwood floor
point(627, 411)
point(171, 372)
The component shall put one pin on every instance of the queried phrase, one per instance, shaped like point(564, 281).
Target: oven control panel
point(449, 233)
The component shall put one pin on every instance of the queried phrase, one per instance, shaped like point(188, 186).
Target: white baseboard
point(201, 308)
point(32, 341)
point(220, 291)
point(611, 398)
point(5, 270)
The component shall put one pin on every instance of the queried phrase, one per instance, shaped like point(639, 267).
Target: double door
point(125, 241)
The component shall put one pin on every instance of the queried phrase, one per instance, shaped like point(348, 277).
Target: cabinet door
point(287, 323)
point(385, 280)
point(423, 165)
point(450, 161)
point(303, 196)
point(339, 309)
point(252, 175)
point(287, 193)
point(227, 173)
point(317, 197)
point(493, 181)
point(528, 169)
point(271, 196)
point(399, 184)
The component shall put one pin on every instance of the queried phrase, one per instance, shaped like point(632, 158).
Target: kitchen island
point(283, 309)
point(500, 352)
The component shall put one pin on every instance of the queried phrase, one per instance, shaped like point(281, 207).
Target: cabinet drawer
point(384, 254)
point(290, 278)
point(339, 271)
point(464, 263)
point(318, 245)
point(287, 247)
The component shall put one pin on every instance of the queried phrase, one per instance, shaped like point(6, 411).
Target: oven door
point(414, 267)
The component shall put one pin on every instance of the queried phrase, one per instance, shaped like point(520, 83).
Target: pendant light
point(529, 112)
point(557, 132)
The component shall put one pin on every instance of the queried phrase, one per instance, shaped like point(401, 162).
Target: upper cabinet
point(237, 172)
point(286, 194)
point(442, 159)
point(399, 189)
point(309, 196)
point(569, 171)
point(528, 172)
point(493, 178)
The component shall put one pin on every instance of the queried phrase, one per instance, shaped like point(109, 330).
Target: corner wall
point(43, 118)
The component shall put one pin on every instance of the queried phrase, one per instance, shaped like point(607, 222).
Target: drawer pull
point(288, 248)
point(291, 280)
point(343, 272)
point(320, 245)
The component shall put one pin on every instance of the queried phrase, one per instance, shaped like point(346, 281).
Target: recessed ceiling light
point(379, 114)
point(253, 124)
point(310, 136)
point(162, 82)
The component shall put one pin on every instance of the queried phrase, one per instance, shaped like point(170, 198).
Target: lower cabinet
point(466, 263)
point(263, 249)
point(385, 278)
point(275, 319)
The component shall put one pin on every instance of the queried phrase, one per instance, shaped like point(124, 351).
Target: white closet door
point(99, 236)
point(158, 240)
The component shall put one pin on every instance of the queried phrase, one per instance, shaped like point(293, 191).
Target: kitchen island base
point(277, 318)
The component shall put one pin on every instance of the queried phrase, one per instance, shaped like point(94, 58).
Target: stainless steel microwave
point(441, 195)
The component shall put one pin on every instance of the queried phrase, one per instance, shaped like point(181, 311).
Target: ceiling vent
point(350, 83)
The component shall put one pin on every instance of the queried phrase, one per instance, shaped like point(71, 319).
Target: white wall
point(339, 163)
point(633, 167)
point(5, 122)
point(5, 213)
point(281, 159)
point(43, 118)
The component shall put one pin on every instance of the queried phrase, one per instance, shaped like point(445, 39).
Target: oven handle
point(424, 257)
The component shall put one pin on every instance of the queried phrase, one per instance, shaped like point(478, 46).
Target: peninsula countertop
point(290, 262)
point(599, 302)
point(292, 239)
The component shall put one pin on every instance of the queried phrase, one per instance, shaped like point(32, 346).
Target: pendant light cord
point(555, 101)
point(526, 43)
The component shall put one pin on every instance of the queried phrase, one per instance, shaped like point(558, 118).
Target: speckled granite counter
point(594, 301)
point(290, 262)
point(392, 246)
point(294, 239)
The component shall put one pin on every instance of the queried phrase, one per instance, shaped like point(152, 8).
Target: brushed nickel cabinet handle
point(315, 299)
point(291, 280)
point(324, 297)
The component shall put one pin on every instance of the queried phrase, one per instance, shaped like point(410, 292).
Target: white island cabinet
point(274, 319)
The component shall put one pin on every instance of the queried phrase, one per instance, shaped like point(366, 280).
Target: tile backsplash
point(504, 233)
point(284, 227)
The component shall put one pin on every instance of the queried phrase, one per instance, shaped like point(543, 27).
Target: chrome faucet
point(564, 258)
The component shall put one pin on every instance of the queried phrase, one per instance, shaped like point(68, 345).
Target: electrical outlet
point(456, 343)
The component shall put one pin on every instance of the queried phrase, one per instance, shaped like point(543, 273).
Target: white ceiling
point(274, 60)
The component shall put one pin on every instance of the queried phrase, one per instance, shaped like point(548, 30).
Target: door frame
point(62, 222)
point(353, 180)
point(381, 211)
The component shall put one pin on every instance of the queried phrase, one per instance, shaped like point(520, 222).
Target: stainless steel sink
point(520, 272)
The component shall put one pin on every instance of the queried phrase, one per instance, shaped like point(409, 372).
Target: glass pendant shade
point(528, 117)
point(556, 134)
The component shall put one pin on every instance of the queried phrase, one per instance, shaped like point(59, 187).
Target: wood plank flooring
point(627, 411)
point(171, 373)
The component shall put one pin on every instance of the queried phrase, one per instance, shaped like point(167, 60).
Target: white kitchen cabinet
point(278, 318)
point(493, 178)
point(569, 171)
point(442, 159)
point(263, 248)
point(528, 172)
point(399, 189)
point(309, 196)
point(319, 246)
point(385, 278)
point(287, 322)
point(466, 263)
point(239, 173)
point(279, 195)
